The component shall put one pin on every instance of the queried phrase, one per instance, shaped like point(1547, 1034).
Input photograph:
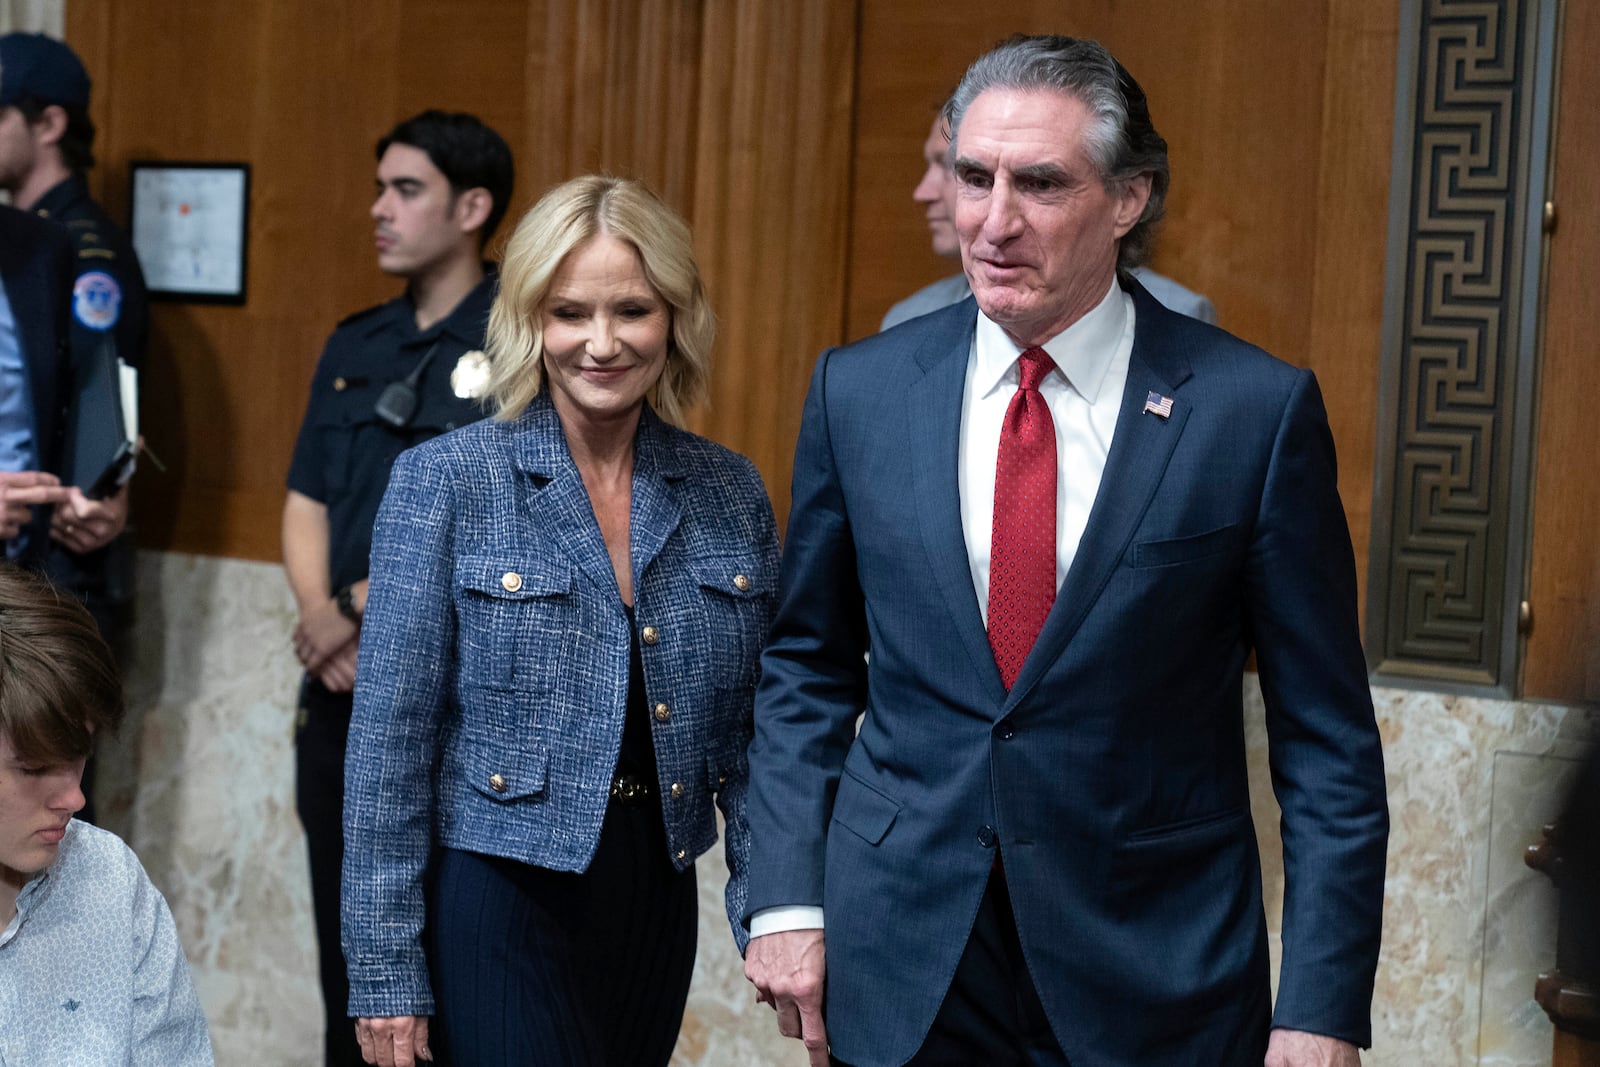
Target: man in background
point(936, 192)
point(46, 145)
point(389, 378)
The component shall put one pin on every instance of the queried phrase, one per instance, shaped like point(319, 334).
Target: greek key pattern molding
point(1448, 514)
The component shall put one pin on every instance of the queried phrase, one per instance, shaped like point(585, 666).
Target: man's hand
point(84, 525)
point(321, 634)
point(20, 493)
point(787, 970)
point(338, 671)
point(1296, 1048)
point(398, 1042)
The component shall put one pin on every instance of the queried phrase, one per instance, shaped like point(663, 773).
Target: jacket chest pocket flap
point(516, 617)
point(1175, 550)
point(737, 592)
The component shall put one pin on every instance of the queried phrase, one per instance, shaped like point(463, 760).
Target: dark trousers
point(991, 1015)
point(324, 727)
point(543, 968)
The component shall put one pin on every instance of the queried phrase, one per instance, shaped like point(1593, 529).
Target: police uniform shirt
point(345, 450)
point(108, 296)
point(109, 293)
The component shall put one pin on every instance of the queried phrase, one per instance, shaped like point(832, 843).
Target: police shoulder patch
point(97, 300)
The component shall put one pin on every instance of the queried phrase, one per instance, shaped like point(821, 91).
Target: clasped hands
point(79, 523)
point(325, 642)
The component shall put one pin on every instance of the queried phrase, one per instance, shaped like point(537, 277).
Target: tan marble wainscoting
point(200, 782)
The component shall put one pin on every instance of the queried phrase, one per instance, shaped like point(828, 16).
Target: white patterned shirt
point(91, 971)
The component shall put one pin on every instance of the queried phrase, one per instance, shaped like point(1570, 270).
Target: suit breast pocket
point(737, 593)
point(1191, 548)
point(516, 619)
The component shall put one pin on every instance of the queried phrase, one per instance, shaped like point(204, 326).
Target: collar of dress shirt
point(1083, 352)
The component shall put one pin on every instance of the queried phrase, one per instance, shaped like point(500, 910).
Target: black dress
point(551, 969)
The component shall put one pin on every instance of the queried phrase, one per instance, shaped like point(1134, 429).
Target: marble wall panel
point(201, 783)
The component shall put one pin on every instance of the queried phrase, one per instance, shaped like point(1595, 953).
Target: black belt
point(631, 789)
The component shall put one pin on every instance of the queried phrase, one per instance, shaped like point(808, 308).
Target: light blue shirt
point(91, 971)
point(17, 452)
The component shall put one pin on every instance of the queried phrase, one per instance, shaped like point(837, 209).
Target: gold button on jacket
point(663, 713)
point(677, 790)
point(497, 783)
point(741, 583)
point(650, 635)
point(511, 581)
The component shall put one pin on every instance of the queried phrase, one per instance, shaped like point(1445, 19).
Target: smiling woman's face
point(605, 332)
point(35, 803)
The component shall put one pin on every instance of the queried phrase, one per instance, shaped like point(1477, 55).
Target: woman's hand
point(396, 1042)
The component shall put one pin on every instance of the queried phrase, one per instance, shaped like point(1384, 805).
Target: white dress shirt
point(1084, 394)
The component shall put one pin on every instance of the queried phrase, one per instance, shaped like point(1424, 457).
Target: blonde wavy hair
point(564, 218)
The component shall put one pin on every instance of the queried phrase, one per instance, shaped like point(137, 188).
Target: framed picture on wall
point(191, 229)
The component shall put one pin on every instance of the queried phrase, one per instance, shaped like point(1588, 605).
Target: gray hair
point(1121, 141)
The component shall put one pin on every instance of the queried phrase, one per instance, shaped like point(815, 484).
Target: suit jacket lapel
point(933, 413)
point(1140, 449)
point(558, 500)
point(655, 509)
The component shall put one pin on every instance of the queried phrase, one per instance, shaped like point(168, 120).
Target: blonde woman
point(556, 670)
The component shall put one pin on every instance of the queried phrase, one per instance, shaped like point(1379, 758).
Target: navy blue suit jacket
point(1113, 775)
point(36, 265)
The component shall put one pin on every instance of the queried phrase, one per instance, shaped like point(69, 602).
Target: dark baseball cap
point(32, 64)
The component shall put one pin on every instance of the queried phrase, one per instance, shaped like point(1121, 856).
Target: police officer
point(46, 145)
point(389, 378)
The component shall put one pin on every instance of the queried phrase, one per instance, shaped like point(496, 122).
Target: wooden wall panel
point(737, 112)
point(1562, 659)
point(1350, 194)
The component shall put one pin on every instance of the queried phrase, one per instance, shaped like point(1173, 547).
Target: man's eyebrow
point(1050, 172)
point(967, 163)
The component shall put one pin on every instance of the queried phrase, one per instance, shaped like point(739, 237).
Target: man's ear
point(472, 209)
point(50, 126)
point(1131, 200)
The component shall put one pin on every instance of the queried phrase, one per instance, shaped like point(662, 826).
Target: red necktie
point(1022, 553)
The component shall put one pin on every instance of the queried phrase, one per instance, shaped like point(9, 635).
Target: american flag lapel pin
point(1156, 404)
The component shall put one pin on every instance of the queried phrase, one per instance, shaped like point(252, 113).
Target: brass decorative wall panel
point(1449, 524)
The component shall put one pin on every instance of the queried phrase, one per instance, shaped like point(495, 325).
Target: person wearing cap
point(46, 145)
point(389, 378)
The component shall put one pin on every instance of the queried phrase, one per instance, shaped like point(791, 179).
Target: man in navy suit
point(36, 271)
point(1060, 517)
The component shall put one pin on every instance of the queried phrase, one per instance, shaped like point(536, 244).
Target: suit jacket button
point(741, 583)
point(682, 855)
point(511, 581)
point(650, 635)
point(663, 713)
point(339, 385)
point(497, 783)
point(677, 790)
point(986, 836)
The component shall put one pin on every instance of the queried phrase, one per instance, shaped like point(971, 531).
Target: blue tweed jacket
point(493, 673)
